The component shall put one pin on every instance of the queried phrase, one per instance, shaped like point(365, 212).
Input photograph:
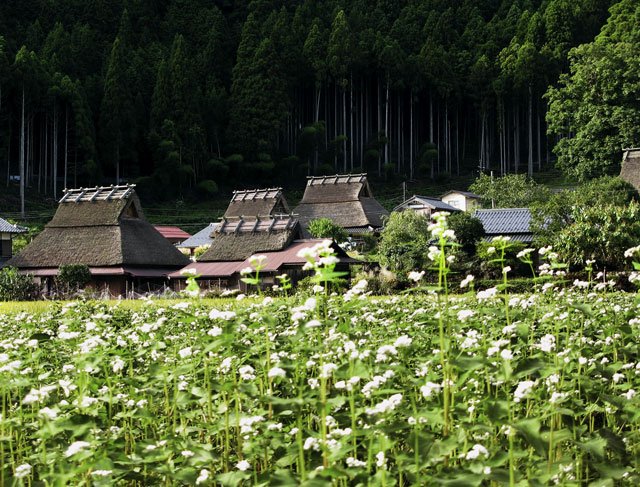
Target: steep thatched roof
point(345, 199)
point(99, 227)
point(254, 202)
point(631, 167)
point(237, 239)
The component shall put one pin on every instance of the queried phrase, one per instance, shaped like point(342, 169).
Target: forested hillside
point(188, 96)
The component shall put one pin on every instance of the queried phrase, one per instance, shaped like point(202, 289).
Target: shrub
point(404, 242)
point(326, 228)
point(74, 276)
point(509, 191)
point(15, 286)
point(469, 230)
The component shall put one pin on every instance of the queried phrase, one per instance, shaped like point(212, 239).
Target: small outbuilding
point(507, 222)
point(423, 205)
point(104, 228)
point(7, 232)
point(462, 200)
point(345, 199)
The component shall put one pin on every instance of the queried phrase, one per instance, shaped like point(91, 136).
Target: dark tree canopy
point(193, 96)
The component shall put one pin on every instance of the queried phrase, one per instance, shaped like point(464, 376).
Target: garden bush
point(15, 286)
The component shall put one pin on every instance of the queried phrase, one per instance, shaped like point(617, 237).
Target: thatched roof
point(254, 202)
point(631, 167)
point(345, 199)
point(237, 239)
point(99, 227)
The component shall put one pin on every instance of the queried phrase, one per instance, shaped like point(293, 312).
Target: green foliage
point(404, 242)
point(595, 108)
point(602, 233)
point(509, 191)
point(554, 215)
point(326, 228)
point(15, 286)
point(74, 276)
point(488, 255)
point(468, 229)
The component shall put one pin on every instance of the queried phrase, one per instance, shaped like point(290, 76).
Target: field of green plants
point(422, 389)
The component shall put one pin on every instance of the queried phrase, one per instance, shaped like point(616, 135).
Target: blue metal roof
point(200, 238)
point(513, 222)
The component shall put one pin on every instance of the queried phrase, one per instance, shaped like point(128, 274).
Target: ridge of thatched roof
point(103, 231)
point(238, 239)
point(254, 202)
point(345, 199)
point(630, 171)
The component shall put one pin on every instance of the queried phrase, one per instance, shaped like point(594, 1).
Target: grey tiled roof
point(434, 203)
point(203, 237)
point(506, 221)
point(7, 227)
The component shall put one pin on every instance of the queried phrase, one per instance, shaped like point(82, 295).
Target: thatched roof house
point(105, 229)
point(630, 171)
point(247, 204)
point(254, 202)
point(226, 274)
point(235, 239)
point(7, 231)
point(345, 199)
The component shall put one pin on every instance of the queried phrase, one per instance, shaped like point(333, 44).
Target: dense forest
point(185, 97)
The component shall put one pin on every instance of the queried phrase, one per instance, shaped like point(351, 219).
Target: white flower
point(48, 413)
point(506, 269)
point(487, 294)
point(246, 372)
point(476, 451)
point(466, 281)
point(185, 352)
point(22, 470)
point(243, 465)
point(256, 260)
point(464, 314)
point(277, 372)
point(402, 341)
point(354, 462)
point(313, 324)
point(118, 364)
point(76, 447)
point(557, 397)
point(416, 276)
point(187, 453)
point(491, 250)
point(430, 388)
point(380, 460)
point(524, 387)
point(215, 331)
point(506, 354)
point(246, 270)
point(630, 394)
point(524, 253)
point(188, 272)
point(102, 473)
point(203, 477)
point(547, 343)
point(385, 406)
point(544, 250)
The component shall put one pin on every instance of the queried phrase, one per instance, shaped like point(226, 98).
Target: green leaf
point(461, 480)
point(530, 430)
point(232, 479)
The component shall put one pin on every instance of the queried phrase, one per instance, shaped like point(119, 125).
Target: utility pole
point(404, 191)
point(493, 205)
